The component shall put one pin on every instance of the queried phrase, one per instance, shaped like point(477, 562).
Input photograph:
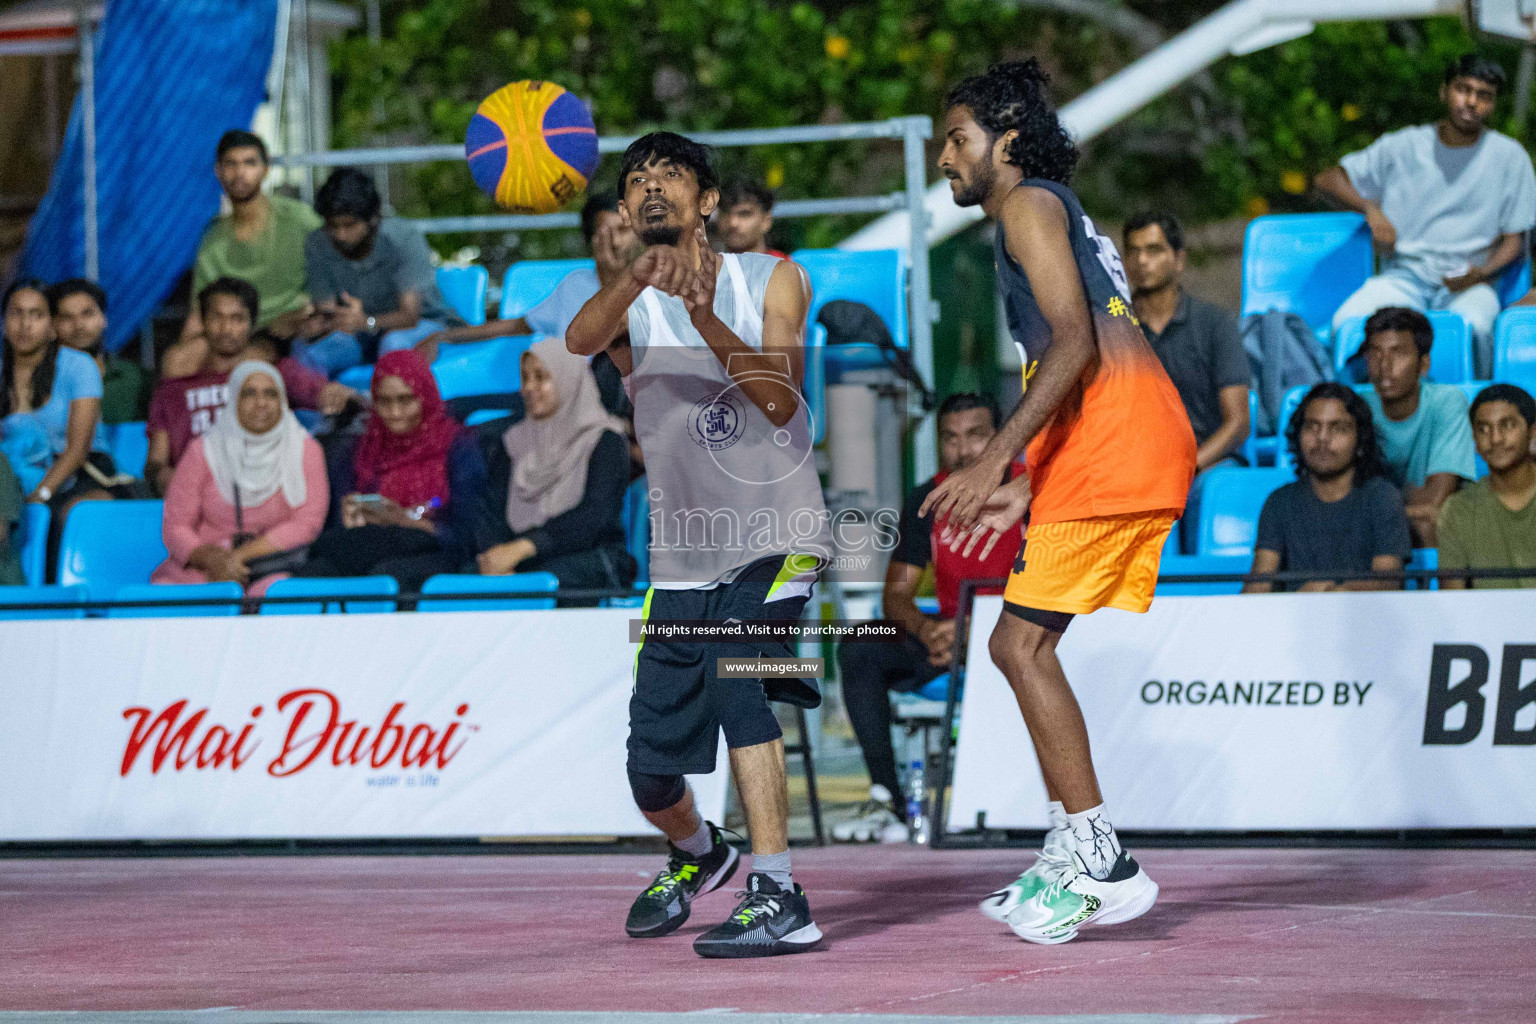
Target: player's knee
point(1017, 647)
point(654, 793)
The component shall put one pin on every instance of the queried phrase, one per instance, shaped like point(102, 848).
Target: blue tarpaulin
point(171, 77)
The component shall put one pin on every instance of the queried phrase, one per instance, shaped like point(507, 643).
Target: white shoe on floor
point(876, 821)
point(1050, 864)
point(1077, 899)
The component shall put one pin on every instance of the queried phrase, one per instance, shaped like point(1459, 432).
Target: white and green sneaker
point(1076, 898)
point(1050, 864)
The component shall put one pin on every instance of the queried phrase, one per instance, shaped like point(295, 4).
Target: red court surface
point(1279, 935)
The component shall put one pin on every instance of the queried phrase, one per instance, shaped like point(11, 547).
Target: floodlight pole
point(87, 42)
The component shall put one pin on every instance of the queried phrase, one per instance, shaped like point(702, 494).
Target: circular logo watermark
point(776, 453)
point(717, 422)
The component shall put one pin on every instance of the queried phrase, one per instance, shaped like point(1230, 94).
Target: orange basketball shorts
point(1081, 565)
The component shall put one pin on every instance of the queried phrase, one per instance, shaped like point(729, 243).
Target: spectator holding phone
point(253, 486)
point(415, 493)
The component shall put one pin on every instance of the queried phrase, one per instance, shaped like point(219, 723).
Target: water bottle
point(917, 800)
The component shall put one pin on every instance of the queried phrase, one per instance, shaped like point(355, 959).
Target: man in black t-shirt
point(1342, 514)
point(1196, 342)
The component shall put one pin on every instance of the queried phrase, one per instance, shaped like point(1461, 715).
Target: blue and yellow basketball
point(532, 147)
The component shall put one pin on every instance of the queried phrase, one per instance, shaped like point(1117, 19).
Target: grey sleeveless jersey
point(726, 486)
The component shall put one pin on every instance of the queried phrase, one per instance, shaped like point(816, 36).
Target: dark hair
point(348, 192)
point(76, 286)
point(1472, 65)
point(42, 377)
point(1013, 95)
point(1369, 461)
point(239, 138)
point(597, 202)
point(671, 147)
point(964, 401)
point(1518, 397)
point(748, 192)
point(1399, 318)
point(1173, 231)
point(242, 290)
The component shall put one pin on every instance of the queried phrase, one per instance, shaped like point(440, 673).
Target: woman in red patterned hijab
point(403, 452)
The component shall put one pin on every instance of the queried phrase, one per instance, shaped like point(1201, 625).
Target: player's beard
point(661, 234)
point(983, 179)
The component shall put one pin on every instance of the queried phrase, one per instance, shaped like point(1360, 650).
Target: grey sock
point(698, 844)
point(776, 867)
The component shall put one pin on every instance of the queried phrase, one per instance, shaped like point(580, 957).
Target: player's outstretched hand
point(999, 516)
point(960, 497)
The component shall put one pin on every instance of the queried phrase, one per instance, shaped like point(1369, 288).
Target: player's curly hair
point(1369, 460)
point(1014, 95)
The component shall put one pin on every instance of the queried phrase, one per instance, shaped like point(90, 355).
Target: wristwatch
point(45, 492)
point(373, 325)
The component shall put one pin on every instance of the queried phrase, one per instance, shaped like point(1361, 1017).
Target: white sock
point(1093, 839)
point(1057, 812)
point(776, 867)
point(698, 844)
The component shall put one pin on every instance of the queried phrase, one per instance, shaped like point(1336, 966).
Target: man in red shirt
point(184, 407)
point(870, 672)
point(746, 217)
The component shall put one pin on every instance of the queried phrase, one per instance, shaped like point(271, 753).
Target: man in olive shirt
point(1196, 341)
point(1492, 524)
point(261, 240)
point(79, 309)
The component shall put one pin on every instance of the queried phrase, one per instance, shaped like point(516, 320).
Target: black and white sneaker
point(768, 922)
point(663, 907)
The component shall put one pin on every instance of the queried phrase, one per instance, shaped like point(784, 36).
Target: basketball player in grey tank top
point(712, 352)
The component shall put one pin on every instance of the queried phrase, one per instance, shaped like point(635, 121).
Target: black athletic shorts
point(680, 703)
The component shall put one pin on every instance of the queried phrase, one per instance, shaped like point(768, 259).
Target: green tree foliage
point(1244, 138)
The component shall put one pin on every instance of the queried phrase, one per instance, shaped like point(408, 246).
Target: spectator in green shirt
point(10, 519)
point(79, 309)
point(1492, 523)
point(260, 240)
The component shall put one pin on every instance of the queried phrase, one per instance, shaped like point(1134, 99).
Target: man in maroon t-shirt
point(870, 672)
point(184, 407)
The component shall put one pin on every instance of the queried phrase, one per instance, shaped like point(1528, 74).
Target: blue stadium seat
point(107, 544)
point(1450, 360)
point(1470, 388)
point(875, 277)
point(532, 281)
point(814, 386)
point(130, 446)
point(191, 591)
point(637, 528)
point(1191, 565)
point(1514, 282)
point(926, 605)
point(358, 378)
point(937, 688)
point(1423, 558)
point(523, 584)
point(30, 595)
point(349, 586)
point(464, 289)
point(481, 367)
point(480, 416)
point(1305, 263)
point(31, 542)
point(1514, 347)
point(1229, 502)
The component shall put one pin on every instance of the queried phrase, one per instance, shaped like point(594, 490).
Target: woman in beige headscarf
point(569, 469)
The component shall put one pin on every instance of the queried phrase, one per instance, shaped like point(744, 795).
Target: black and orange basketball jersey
point(1121, 442)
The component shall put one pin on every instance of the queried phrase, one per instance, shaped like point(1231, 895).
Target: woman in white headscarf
point(569, 469)
point(253, 485)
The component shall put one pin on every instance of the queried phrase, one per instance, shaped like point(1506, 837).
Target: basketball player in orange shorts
point(1110, 457)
